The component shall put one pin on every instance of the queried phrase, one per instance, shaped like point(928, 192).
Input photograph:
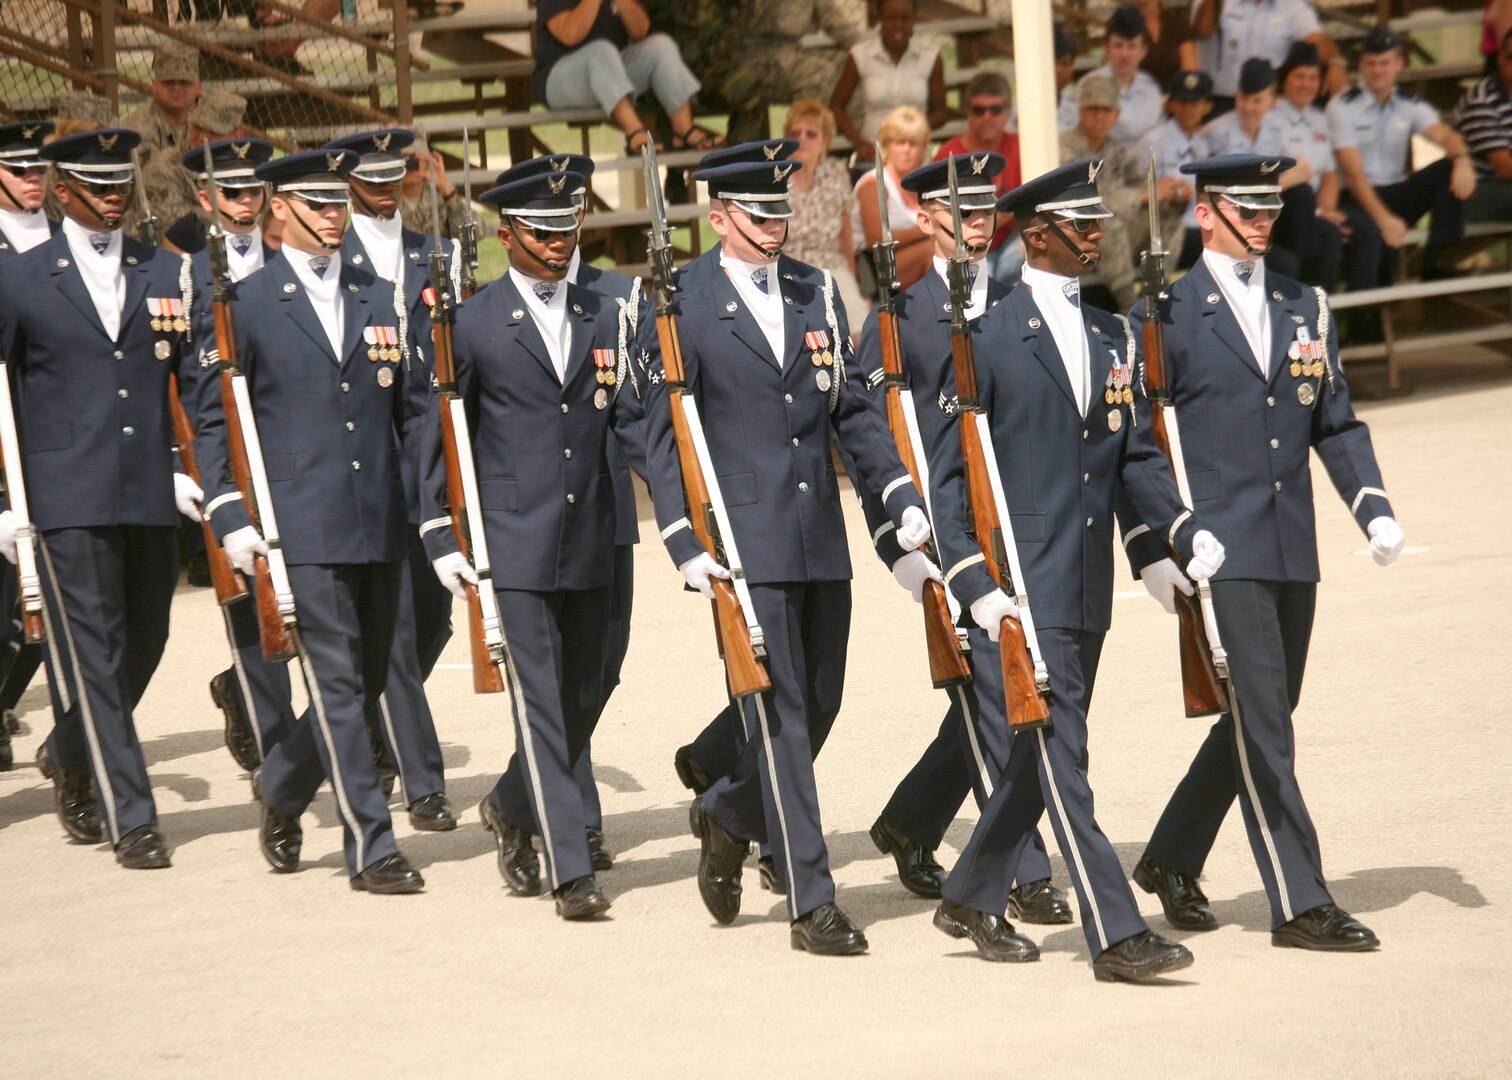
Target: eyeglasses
point(19, 171)
point(987, 110)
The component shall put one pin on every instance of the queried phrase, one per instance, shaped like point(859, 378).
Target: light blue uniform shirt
point(1067, 111)
point(1382, 132)
point(1173, 148)
point(1141, 105)
point(1264, 28)
point(1225, 135)
point(1305, 133)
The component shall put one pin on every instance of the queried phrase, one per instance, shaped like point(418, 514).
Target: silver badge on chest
point(601, 398)
point(822, 380)
point(161, 349)
point(1115, 419)
point(385, 377)
point(1305, 393)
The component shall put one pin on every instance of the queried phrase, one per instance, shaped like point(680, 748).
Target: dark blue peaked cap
point(974, 176)
point(236, 161)
point(756, 187)
point(20, 143)
point(1247, 180)
point(545, 200)
point(1069, 191)
point(758, 151)
point(380, 153)
point(102, 156)
point(550, 165)
point(317, 175)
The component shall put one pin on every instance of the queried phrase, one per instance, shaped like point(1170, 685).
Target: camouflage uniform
point(766, 43)
point(157, 133)
point(172, 191)
point(416, 214)
point(702, 32)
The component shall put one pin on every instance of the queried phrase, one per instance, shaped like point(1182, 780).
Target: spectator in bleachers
point(1177, 141)
point(589, 52)
point(1140, 99)
point(1496, 22)
point(1372, 127)
point(1253, 128)
point(1484, 119)
point(173, 191)
point(1348, 230)
point(820, 231)
point(1169, 32)
point(1265, 29)
point(988, 105)
point(904, 135)
point(163, 121)
point(701, 29)
point(1121, 182)
point(891, 70)
point(414, 192)
point(765, 40)
point(1067, 115)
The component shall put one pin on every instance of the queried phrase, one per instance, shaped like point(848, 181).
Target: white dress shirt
point(1247, 300)
point(765, 306)
point(978, 302)
point(243, 265)
point(383, 238)
point(24, 231)
point(1059, 300)
point(550, 316)
point(324, 292)
point(101, 271)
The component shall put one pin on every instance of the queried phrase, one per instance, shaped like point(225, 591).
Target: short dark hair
point(989, 82)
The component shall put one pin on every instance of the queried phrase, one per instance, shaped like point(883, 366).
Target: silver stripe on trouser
point(317, 702)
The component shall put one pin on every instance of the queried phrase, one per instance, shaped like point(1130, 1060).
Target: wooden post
point(75, 24)
point(1034, 71)
point(405, 106)
point(104, 53)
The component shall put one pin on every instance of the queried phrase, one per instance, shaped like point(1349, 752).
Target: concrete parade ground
point(220, 968)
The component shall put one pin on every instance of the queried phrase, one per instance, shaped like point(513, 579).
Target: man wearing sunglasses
point(1072, 437)
point(963, 758)
point(988, 110)
point(766, 349)
point(1255, 379)
point(338, 393)
point(402, 721)
point(90, 358)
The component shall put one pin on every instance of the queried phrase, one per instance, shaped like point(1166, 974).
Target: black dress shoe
point(199, 571)
point(280, 839)
point(518, 864)
point(992, 935)
point(1326, 928)
point(390, 876)
point(143, 848)
point(1140, 959)
point(721, 857)
point(433, 813)
point(581, 899)
point(690, 772)
point(239, 737)
point(827, 931)
point(74, 798)
point(7, 755)
point(767, 866)
point(917, 868)
point(599, 855)
point(1186, 908)
point(1039, 902)
point(11, 722)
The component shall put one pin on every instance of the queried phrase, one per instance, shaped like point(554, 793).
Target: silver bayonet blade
point(1151, 180)
point(887, 236)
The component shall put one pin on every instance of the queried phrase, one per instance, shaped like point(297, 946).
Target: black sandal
point(707, 140)
point(630, 138)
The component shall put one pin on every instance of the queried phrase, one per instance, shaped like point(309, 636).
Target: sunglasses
point(1250, 213)
point(102, 191)
point(26, 170)
point(1084, 226)
point(987, 110)
point(541, 236)
point(236, 194)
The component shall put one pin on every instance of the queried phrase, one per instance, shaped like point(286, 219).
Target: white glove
point(187, 496)
point(1162, 580)
point(914, 530)
point(990, 611)
point(1207, 556)
point(8, 536)
point(699, 572)
point(1386, 540)
point(912, 571)
point(452, 571)
point(241, 545)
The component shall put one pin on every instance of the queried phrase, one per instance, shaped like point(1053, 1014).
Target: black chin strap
point(315, 236)
point(106, 222)
point(749, 239)
point(520, 244)
point(1258, 254)
point(13, 200)
point(1086, 258)
point(972, 249)
point(372, 211)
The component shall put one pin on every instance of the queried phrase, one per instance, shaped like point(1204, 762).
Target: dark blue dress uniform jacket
point(539, 444)
point(632, 451)
point(771, 442)
point(331, 434)
point(1246, 438)
point(1062, 472)
point(96, 436)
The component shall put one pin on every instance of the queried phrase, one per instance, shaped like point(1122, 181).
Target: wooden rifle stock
point(230, 585)
point(488, 678)
point(947, 664)
point(1027, 709)
point(1201, 686)
point(744, 670)
point(278, 644)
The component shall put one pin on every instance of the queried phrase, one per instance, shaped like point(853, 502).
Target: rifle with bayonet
point(947, 647)
point(273, 594)
point(469, 238)
point(485, 627)
point(1025, 679)
point(230, 585)
point(33, 629)
point(738, 635)
point(1204, 663)
point(147, 230)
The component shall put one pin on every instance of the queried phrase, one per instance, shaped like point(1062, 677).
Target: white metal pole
point(1034, 71)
